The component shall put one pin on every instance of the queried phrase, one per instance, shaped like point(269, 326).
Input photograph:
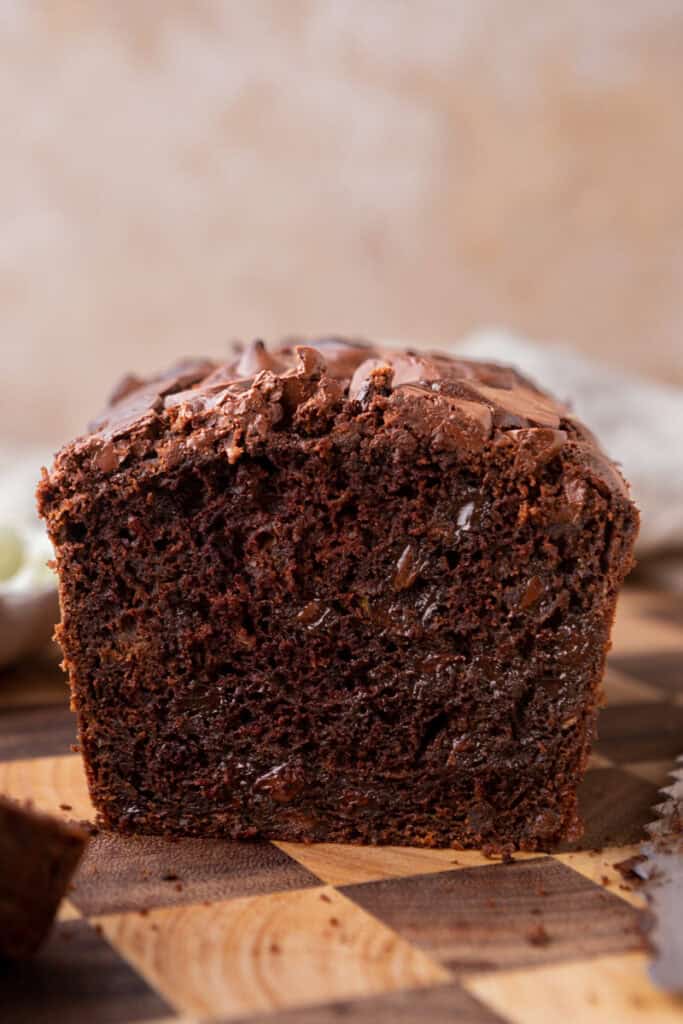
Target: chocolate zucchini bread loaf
point(38, 857)
point(331, 592)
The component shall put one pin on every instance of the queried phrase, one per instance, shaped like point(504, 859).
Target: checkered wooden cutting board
point(193, 930)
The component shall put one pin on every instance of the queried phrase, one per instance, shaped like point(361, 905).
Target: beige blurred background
point(177, 173)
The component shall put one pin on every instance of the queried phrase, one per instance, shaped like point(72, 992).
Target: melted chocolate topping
point(462, 403)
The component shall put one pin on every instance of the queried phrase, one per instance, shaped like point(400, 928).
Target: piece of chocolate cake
point(336, 593)
point(38, 856)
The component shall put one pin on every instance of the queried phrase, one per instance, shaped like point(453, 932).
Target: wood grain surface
point(188, 930)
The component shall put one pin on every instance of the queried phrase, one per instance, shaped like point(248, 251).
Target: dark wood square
point(47, 731)
point(504, 915)
point(76, 977)
point(628, 733)
point(121, 873)
point(447, 1004)
point(35, 682)
point(615, 806)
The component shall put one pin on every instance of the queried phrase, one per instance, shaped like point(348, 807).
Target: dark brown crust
point(38, 857)
point(335, 592)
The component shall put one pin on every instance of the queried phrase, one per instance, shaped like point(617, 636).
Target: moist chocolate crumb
point(331, 593)
point(506, 854)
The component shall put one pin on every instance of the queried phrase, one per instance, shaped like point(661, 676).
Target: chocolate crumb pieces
point(65, 807)
point(325, 898)
point(627, 867)
point(537, 935)
point(169, 877)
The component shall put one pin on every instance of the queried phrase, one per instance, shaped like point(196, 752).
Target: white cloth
point(28, 589)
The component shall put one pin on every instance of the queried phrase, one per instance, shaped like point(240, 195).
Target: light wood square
point(266, 953)
point(56, 785)
point(340, 864)
point(621, 689)
point(598, 865)
point(633, 634)
point(611, 988)
point(67, 911)
point(596, 760)
point(657, 772)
